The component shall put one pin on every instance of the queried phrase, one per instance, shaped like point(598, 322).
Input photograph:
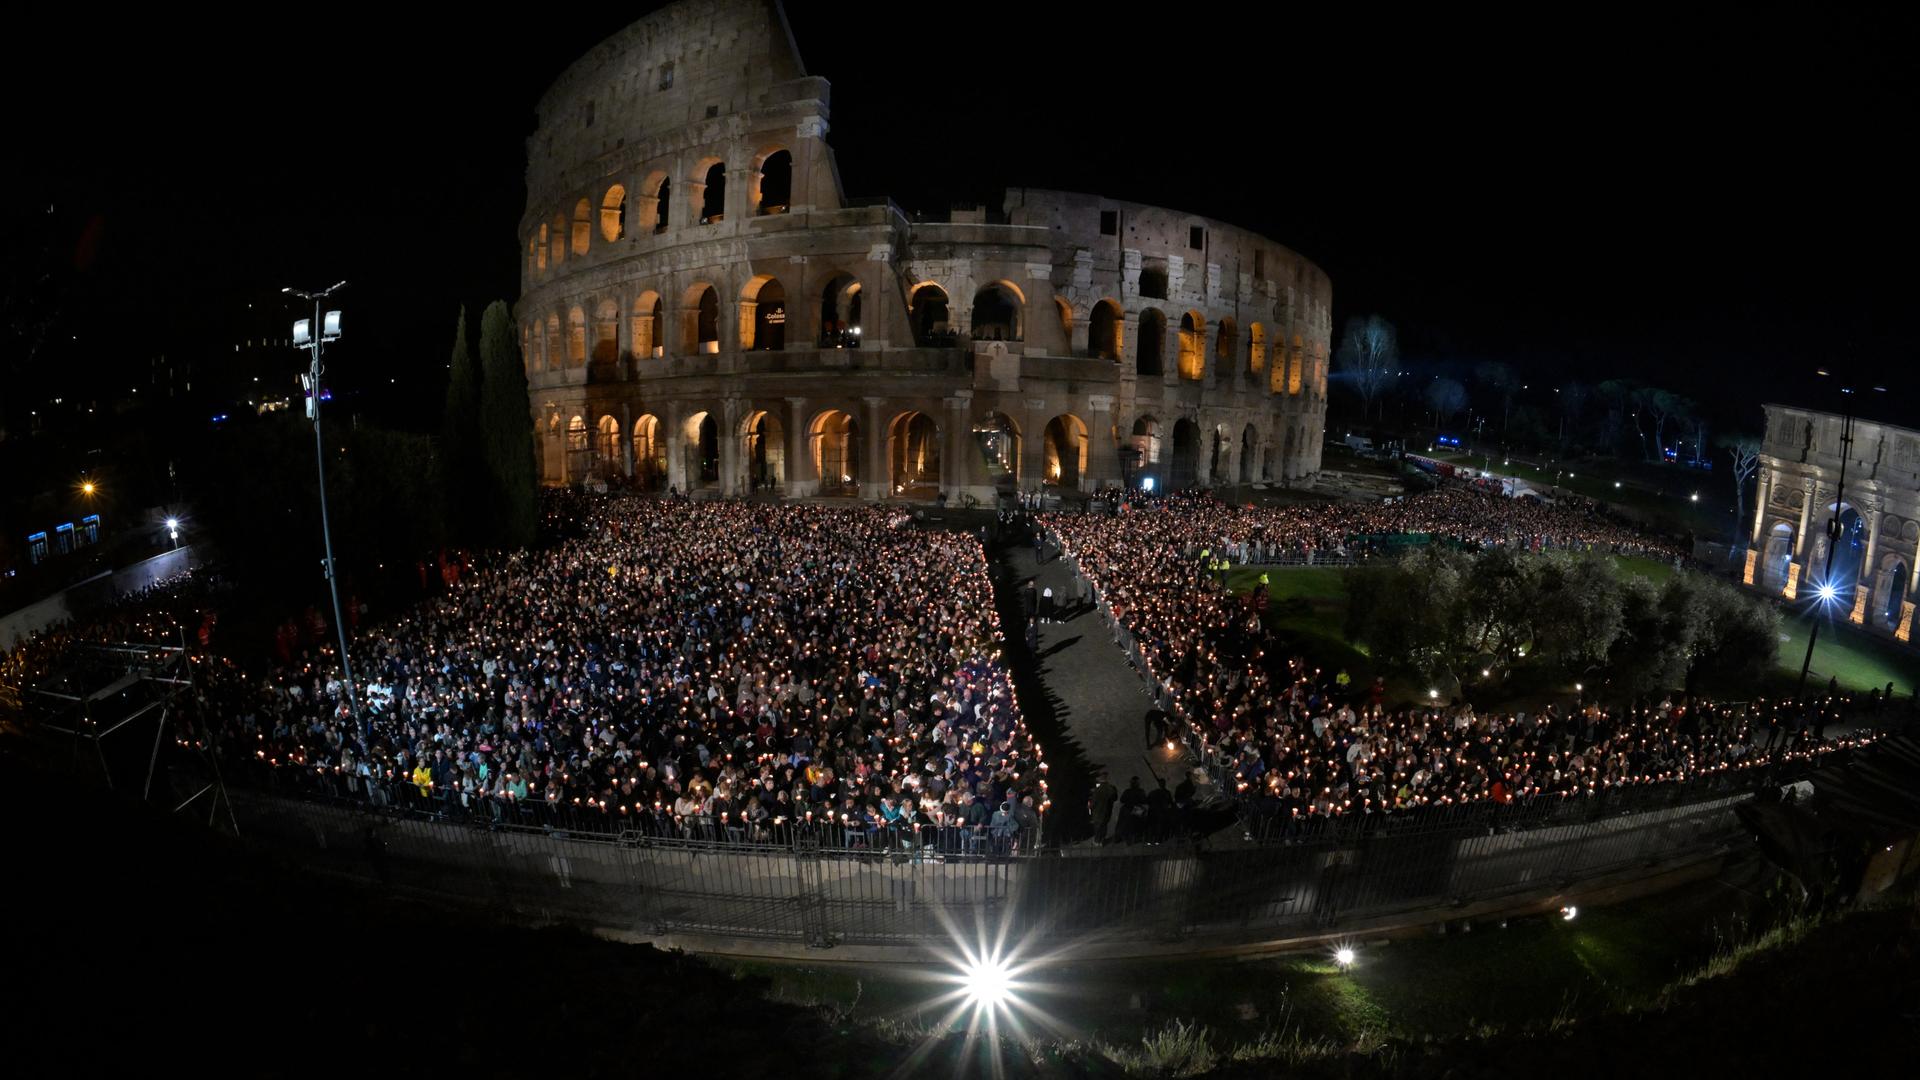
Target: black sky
point(1716, 200)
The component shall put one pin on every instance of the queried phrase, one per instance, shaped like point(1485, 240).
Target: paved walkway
point(1095, 696)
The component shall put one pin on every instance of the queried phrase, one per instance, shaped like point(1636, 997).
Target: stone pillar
point(1103, 455)
point(956, 463)
point(1760, 496)
point(1865, 575)
point(1033, 444)
point(1800, 546)
point(1753, 557)
point(676, 436)
point(728, 437)
point(873, 451)
point(801, 477)
point(626, 437)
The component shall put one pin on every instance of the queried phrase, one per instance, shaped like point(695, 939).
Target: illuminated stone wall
point(1876, 563)
point(702, 308)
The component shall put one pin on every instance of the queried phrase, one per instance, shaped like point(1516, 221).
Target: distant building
point(1876, 562)
point(703, 307)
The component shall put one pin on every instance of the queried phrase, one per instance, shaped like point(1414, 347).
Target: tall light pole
point(311, 336)
point(1825, 593)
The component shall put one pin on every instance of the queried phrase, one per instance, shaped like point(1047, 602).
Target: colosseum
point(704, 308)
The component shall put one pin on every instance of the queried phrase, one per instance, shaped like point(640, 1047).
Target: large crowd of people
point(1293, 740)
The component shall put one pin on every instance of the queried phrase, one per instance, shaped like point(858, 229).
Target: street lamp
point(305, 338)
point(1827, 593)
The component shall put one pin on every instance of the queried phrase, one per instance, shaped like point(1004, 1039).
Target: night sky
point(1716, 202)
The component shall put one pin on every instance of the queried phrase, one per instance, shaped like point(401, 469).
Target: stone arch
point(644, 333)
point(1149, 360)
point(576, 339)
point(1249, 453)
point(552, 457)
point(1778, 553)
point(773, 182)
point(536, 257)
point(1848, 551)
point(608, 458)
point(1226, 346)
point(763, 451)
point(1065, 442)
point(1105, 324)
point(579, 449)
point(550, 345)
point(540, 249)
point(557, 246)
point(1219, 453)
point(582, 226)
point(1193, 346)
point(1065, 311)
point(840, 312)
point(702, 434)
point(606, 340)
point(927, 310)
point(1146, 442)
point(834, 443)
point(1256, 351)
point(656, 202)
point(763, 313)
point(998, 439)
point(613, 213)
point(1297, 369)
point(1893, 595)
point(708, 192)
point(649, 454)
point(700, 319)
point(998, 311)
point(913, 456)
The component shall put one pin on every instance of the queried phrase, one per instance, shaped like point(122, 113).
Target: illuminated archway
point(649, 454)
point(582, 226)
point(579, 450)
point(712, 201)
point(763, 314)
point(927, 311)
point(840, 313)
point(773, 183)
point(913, 456)
point(997, 310)
point(647, 341)
point(606, 341)
point(656, 203)
point(1104, 326)
point(576, 339)
point(1066, 451)
point(606, 448)
point(763, 446)
point(702, 436)
point(1256, 351)
point(1779, 553)
point(551, 347)
point(998, 440)
point(1193, 346)
point(1183, 470)
point(613, 213)
point(835, 441)
point(700, 314)
point(1249, 454)
point(557, 252)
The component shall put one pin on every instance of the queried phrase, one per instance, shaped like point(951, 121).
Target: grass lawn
point(1860, 660)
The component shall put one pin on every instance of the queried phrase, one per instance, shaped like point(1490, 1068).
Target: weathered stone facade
point(703, 308)
point(1876, 565)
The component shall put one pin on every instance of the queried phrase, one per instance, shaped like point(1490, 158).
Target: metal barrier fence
point(814, 891)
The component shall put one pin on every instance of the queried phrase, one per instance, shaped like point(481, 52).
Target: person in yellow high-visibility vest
point(423, 778)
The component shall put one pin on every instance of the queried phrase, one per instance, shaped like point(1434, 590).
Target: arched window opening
point(1153, 339)
point(999, 445)
point(613, 213)
point(551, 348)
point(913, 456)
point(1193, 346)
point(1896, 595)
point(582, 226)
point(1779, 554)
point(1066, 452)
point(576, 339)
point(703, 450)
point(836, 452)
point(764, 449)
point(606, 341)
point(927, 309)
point(1225, 346)
point(662, 205)
point(776, 183)
point(649, 454)
point(996, 313)
point(609, 460)
point(645, 331)
point(579, 450)
point(1153, 279)
point(713, 196)
point(1143, 449)
point(1249, 454)
point(840, 313)
point(534, 260)
point(557, 249)
point(1297, 370)
point(1104, 327)
point(1256, 350)
point(763, 315)
point(1184, 469)
point(701, 330)
point(1220, 454)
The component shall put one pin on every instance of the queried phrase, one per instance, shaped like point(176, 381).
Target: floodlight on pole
point(310, 382)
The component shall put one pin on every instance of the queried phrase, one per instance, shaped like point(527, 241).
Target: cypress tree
point(506, 424)
point(461, 455)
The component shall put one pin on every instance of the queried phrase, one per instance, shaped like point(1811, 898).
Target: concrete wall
point(94, 592)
